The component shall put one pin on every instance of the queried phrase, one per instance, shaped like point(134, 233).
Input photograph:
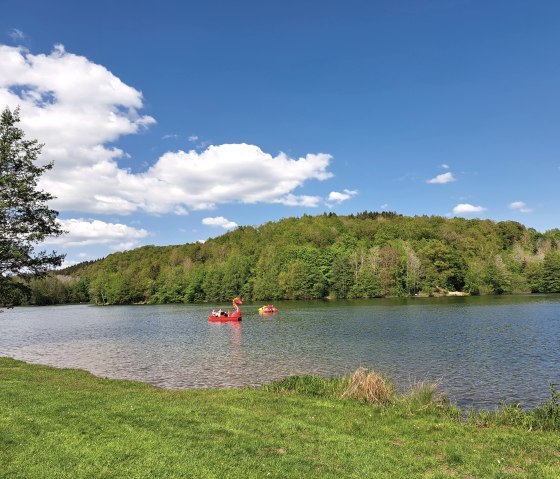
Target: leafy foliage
point(363, 256)
point(25, 218)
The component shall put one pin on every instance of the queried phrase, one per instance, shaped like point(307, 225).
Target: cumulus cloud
point(228, 173)
point(193, 138)
point(219, 221)
point(467, 208)
point(81, 232)
point(78, 108)
point(73, 105)
point(189, 180)
point(445, 165)
point(443, 178)
point(337, 197)
point(519, 206)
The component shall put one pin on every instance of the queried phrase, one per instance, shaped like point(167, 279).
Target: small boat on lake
point(268, 309)
point(223, 316)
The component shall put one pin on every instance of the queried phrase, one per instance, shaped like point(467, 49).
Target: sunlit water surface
point(482, 350)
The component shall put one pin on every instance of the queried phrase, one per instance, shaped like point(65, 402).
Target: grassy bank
point(68, 423)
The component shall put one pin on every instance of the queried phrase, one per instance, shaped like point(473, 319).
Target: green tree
point(473, 278)
point(25, 217)
point(342, 276)
point(171, 286)
point(551, 273)
point(497, 277)
point(47, 290)
point(266, 275)
point(443, 265)
point(237, 271)
point(194, 292)
point(212, 284)
point(413, 270)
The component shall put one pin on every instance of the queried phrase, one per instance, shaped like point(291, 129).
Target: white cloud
point(88, 232)
point(66, 263)
point(180, 211)
point(443, 178)
point(72, 105)
point(225, 174)
point(302, 200)
point(467, 208)
point(219, 221)
point(170, 136)
point(445, 165)
point(179, 181)
point(519, 206)
point(384, 206)
point(338, 197)
point(78, 108)
point(16, 34)
point(193, 138)
point(124, 246)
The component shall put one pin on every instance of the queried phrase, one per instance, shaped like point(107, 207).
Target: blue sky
point(173, 121)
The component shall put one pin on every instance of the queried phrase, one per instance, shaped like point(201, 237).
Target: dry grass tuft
point(369, 386)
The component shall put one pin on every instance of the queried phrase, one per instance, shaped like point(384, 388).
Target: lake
point(483, 350)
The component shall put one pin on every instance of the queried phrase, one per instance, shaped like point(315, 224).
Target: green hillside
point(358, 256)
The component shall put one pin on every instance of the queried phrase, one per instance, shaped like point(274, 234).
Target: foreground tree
point(25, 218)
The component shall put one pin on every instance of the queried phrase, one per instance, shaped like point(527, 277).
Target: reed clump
point(370, 387)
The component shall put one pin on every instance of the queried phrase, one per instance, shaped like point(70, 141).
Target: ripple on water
point(483, 351)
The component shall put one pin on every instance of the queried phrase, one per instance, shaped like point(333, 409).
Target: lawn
point(69, 424)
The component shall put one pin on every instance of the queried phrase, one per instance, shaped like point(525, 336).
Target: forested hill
point(358, 256)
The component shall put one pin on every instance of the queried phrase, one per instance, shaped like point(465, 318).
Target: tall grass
point(374, 388)
point(363, 385)
point(545, 417)
point(330, 388)
point(370, 387)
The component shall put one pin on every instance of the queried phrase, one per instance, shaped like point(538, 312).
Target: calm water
point(483, 350)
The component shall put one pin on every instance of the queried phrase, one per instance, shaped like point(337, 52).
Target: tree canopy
point(367, 255)
point(25, 217)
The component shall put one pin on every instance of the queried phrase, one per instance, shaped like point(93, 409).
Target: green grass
point(69, 424)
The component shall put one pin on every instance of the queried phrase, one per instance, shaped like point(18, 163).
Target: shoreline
point(70, 424)
point(440, 393)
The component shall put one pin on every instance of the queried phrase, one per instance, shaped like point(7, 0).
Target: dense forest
point(367, 255)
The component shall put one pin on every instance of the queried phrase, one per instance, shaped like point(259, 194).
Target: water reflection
point(484, 350)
